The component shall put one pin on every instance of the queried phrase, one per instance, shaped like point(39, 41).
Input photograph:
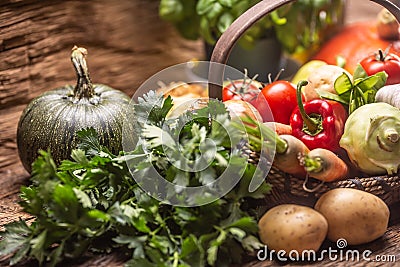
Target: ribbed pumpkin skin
point(51, 120)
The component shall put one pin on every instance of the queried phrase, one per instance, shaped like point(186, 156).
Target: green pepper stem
point(311, 124)
point(84, 86)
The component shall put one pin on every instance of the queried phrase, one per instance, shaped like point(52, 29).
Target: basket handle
point(228, 39)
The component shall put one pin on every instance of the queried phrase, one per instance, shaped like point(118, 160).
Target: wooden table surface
point(36, 37)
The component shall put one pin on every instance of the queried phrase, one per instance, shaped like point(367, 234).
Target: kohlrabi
point(372, 138)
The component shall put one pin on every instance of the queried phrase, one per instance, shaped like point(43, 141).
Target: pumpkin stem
point(84, 86)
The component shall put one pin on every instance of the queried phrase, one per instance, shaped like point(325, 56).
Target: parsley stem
point(253, 131)
point(271, 135)
point(176, 259)
point(261, 133)
point(362, 96)
point(255, 140)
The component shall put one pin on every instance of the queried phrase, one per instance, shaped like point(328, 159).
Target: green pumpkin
point(51, 120)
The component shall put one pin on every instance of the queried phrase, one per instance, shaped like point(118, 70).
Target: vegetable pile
point(329, 126)
point(339, 126)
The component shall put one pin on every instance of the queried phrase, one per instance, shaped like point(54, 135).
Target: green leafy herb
point(360, 91)
point(92, 202)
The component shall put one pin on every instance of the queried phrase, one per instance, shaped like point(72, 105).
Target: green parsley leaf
point(152, 108)
point(89, 141)
point(360, 91)
point(17, 236)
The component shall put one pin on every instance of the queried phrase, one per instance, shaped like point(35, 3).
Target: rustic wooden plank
point(9, 160)
point(37, 36)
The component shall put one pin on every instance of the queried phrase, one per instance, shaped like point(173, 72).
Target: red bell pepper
point(318, 123)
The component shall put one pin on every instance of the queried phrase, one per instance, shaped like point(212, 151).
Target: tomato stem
point(276, 77)
point(279, 74)
point(236, 91)
point(84, 86)
point(244, 87)
point(381, 55)
point(269, 78)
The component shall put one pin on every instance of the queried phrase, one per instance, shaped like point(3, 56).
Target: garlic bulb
point(389, 94)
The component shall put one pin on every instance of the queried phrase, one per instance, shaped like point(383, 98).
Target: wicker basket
point(286, 188)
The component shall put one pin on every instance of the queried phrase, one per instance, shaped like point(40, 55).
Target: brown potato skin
point(357, 216)
point(292, 227)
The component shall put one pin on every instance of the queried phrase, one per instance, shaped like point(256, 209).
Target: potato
point(290, 227)
point(322, 79)
point(355, 215)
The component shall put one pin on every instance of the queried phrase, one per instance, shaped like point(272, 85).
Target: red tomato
point(281, 98)
point(389, 63)
point(246, 90)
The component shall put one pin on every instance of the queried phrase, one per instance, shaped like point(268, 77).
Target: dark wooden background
point(127, 43)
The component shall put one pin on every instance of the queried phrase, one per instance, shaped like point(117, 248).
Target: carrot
point(288, 150)
point(287, 147)
point(279, 128)
point(324, 165)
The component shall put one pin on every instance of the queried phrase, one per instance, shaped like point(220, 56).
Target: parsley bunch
point(93, 203)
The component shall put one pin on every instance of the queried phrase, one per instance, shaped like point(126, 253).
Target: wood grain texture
point(127, 44)
point(126, 41)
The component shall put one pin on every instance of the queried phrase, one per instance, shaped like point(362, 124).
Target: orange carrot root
point(279, 128)
point(288, 160)
point(324, 165)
